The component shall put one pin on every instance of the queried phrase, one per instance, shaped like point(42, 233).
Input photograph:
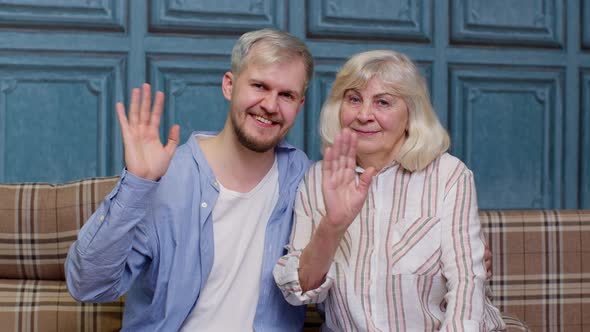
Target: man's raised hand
point(145, 156)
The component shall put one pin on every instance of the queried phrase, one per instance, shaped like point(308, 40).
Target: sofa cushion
point(39, 222)
point(541, 266)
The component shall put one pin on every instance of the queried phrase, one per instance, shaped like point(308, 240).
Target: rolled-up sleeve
point(305, 220)
point(113, 244)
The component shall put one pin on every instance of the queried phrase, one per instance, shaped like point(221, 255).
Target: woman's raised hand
point(145, 156)
point(343, 196)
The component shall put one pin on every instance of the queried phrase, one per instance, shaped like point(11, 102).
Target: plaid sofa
point(541, 263)
point(38, 223)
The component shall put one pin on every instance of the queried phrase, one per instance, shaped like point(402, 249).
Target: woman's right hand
point(343, 196)
point(343, 199)
point(145, 156)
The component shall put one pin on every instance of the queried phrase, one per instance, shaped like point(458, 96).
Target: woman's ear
point(227, 85)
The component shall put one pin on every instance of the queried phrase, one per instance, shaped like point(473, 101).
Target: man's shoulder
point(181, 162)
point(183, 152)
point(295, 154)
point(189, 151)
point(301, 157)
point(181, 158)
point(298, 162)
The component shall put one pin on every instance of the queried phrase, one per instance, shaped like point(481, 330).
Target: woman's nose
point(365, 113)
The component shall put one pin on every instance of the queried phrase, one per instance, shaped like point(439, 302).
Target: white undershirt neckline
point(228, 300)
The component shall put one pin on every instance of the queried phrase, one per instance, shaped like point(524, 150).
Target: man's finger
point(157, 110)
point(134, 107)
point(122, 118)
point(173, 139)
point(144, 109)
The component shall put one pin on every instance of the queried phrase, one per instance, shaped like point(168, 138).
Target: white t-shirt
point(228, 300)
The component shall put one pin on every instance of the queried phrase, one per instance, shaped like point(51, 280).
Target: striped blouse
point(412, 260)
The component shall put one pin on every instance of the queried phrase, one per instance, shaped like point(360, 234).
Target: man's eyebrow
point(261, 82)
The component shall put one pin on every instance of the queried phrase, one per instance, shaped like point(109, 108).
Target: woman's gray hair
point(273, 47)
point(426, 138)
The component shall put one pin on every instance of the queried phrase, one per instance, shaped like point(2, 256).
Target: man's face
point(264, 102)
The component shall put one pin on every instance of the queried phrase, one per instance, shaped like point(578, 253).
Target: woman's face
point(380, 120)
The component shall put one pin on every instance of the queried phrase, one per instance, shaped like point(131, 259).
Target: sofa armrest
point(514, 324)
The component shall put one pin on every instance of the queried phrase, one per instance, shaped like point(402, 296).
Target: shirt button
point(216, 184)
point(204, 205)
point(101, 218)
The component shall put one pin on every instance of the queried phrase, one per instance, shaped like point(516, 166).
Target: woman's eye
point(354, 99)
point(383, 103)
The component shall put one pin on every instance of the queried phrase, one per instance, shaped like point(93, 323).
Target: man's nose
point(270, 102)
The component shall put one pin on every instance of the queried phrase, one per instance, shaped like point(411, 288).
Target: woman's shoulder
point(449, 164)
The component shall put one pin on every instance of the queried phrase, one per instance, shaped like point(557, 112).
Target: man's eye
point(288, 96)
point(257, 85)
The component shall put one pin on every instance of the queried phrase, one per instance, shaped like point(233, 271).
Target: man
point(191, 236)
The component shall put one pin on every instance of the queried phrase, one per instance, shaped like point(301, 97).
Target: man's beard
point(250, 142)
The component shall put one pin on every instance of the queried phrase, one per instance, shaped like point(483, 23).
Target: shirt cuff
point(286, 274)
point(135, 192)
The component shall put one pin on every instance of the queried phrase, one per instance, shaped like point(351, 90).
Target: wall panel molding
point(192, 85)
point(216, 16)
point(585, 24)
point(317, 93)
point(62, 108)
point(392, 20)
point(507, 126)
point(64, 14)
point(584, 189)
point(538, 23)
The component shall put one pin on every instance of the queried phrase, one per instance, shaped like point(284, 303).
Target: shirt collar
point(393, 164)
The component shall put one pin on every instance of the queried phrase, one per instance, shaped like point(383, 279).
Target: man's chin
point(258, 146)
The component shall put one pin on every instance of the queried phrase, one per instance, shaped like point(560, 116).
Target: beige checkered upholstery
point(541, 263)
point(541, 266)
point(38, 223)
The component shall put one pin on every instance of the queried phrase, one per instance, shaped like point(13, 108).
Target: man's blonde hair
point(426, 138)
point(273, 46)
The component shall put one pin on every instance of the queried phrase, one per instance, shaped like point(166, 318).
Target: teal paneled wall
point(510, 79)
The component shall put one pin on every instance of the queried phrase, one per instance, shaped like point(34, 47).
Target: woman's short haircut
point(426, 138)
point(273, 46)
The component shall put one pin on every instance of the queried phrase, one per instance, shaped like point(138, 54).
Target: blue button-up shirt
point(154, 242)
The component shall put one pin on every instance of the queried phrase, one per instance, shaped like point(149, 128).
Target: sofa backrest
point(39, 222)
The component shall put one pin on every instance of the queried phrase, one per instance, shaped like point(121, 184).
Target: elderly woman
point(386, 231)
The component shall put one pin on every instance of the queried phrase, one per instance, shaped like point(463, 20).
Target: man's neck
point(236, 167)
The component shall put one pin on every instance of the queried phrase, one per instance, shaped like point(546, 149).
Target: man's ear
point(301, 104)
point(227, 85)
